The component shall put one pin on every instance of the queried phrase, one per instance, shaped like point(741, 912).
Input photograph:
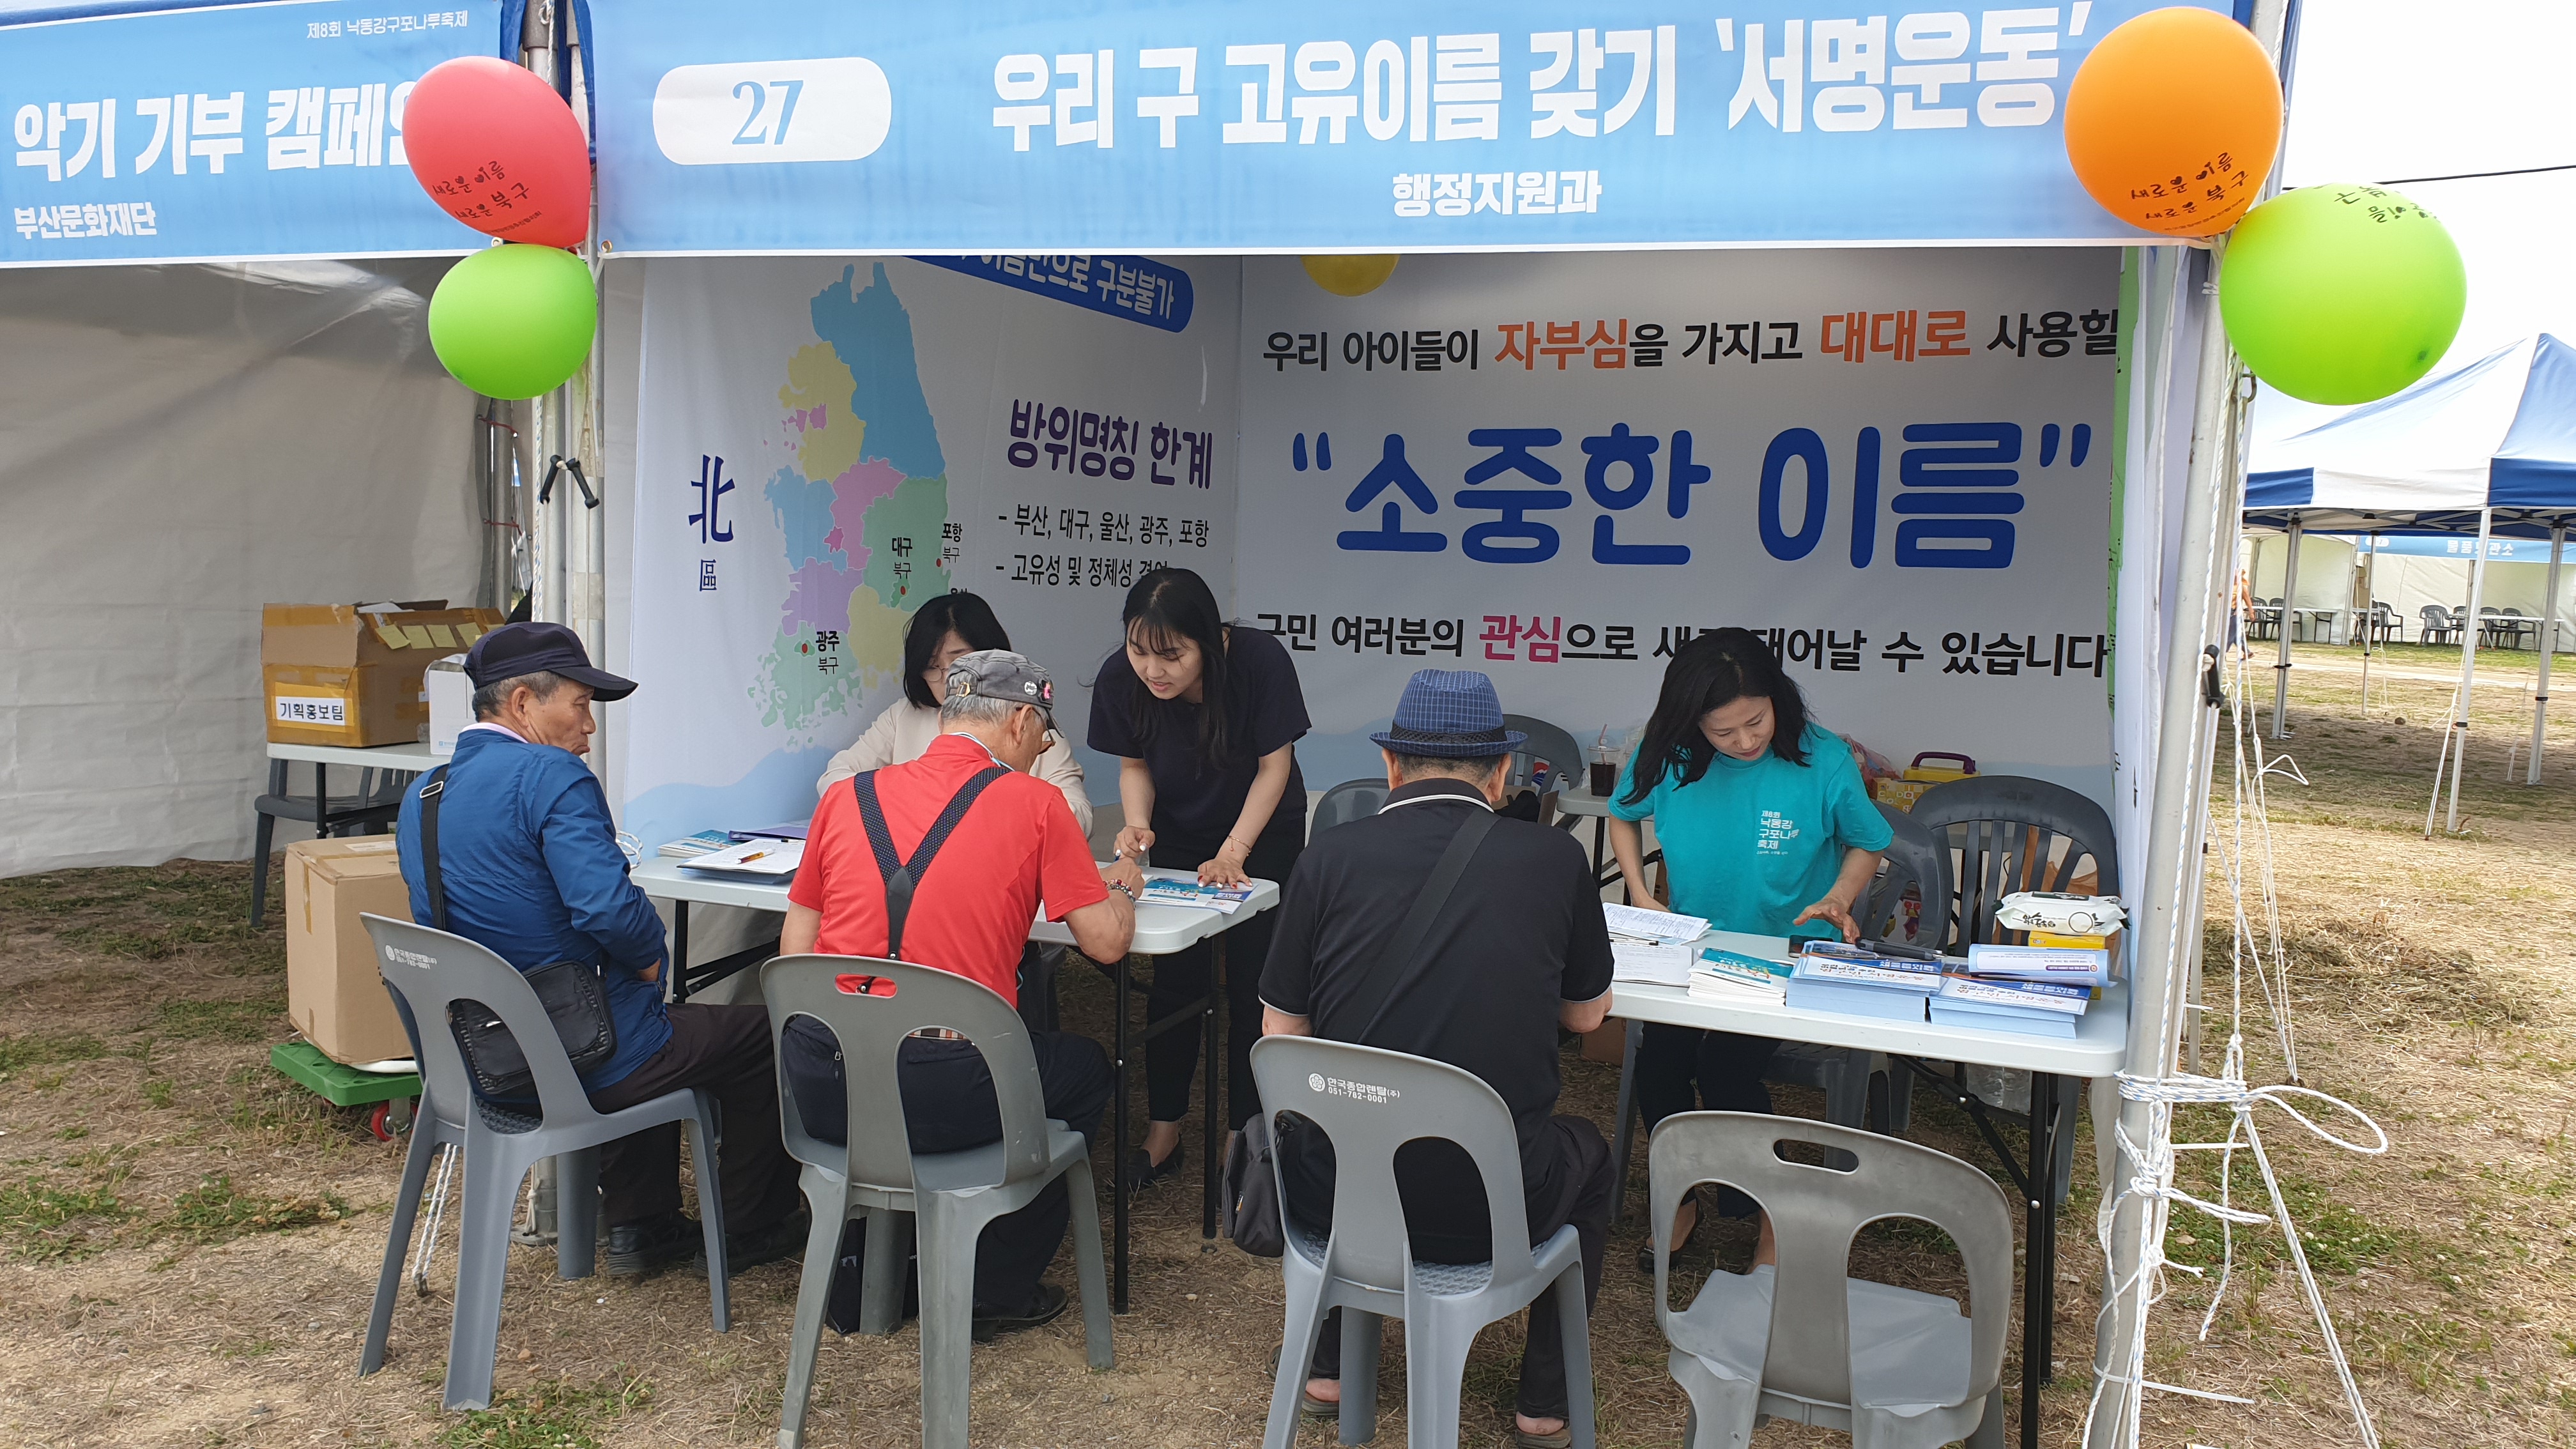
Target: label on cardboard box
point(312, 710)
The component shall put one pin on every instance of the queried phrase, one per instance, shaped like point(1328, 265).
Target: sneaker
point(1048, 1304)
point(641, 1249)
point(782, 1239)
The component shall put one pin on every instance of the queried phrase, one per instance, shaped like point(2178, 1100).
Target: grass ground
point(187, 1241)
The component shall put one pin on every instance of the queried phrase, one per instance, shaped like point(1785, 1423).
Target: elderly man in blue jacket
point(529, 861)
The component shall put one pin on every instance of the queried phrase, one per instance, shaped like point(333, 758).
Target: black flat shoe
point(782, 1239)
point(1048, 1306)
point(642, 1249)
point(1144, 1171)
point(1646, 1250)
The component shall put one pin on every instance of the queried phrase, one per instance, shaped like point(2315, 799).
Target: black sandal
point(1144, 1171)
point(1699, 1216)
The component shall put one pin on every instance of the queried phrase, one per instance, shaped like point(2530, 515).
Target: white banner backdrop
point(822, 444)
point(1896, 465)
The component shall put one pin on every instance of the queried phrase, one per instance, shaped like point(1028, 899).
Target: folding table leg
point(679, 951)
point(1626, 1136)
point(1118, 1144)
point(1209, 1028)
point(2039, 1270)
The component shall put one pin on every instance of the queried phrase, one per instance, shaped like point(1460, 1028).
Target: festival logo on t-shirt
point(1777, 830)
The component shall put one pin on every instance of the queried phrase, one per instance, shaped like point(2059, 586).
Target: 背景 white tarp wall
point(178, 446)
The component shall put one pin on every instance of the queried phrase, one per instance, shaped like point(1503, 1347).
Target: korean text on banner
point(236, 132)
point(1353, 124)
point(1893, 467)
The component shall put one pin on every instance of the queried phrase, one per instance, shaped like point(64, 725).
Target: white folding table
point(2098, 1049)
point(384, 771)
point(1160, 931)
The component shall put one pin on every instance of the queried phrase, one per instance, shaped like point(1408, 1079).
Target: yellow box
point(2081, 943)
point(333, 991)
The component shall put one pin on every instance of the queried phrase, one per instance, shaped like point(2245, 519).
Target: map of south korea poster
point(823, 444)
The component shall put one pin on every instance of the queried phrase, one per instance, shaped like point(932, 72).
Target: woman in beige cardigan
point(942, 629)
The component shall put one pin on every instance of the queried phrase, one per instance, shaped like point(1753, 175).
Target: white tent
point(2488, 449)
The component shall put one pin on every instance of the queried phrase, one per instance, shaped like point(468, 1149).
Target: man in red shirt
point(1013, 847)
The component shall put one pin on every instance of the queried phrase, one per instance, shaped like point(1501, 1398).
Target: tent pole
point(2548, 646)
point(2289, 612)
point(2213, 498)
point(2368, 613)
point(587, 562)
point(2468, 666)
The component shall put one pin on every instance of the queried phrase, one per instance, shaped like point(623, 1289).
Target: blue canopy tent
point(2487, 450)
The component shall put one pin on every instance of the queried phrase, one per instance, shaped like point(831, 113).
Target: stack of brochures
point(1723, 975)
point(1162, 891)
point(1651, 928)
point(1637, 964)
point(2032, 990)
point(2031, 1008)
point(702, 843)
point(1857, 981)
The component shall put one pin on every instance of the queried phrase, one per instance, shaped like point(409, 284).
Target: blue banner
point(1340, 124)
point(222, 134)
point(1133, 289)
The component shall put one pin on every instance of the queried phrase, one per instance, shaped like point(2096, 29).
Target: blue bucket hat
point(1450, 714)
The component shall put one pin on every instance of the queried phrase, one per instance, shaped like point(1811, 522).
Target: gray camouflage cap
point(1001, 674)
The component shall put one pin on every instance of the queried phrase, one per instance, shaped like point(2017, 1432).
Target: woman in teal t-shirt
point(1766, 828)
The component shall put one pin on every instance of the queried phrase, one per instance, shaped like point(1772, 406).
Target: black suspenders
point(902, 876)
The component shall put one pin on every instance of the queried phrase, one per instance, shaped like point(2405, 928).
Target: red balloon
point(500, 151)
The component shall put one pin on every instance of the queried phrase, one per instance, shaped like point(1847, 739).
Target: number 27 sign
point(772, 110)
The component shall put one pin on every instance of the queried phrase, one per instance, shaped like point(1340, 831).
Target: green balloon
point(2341, 294)
point(514, 320)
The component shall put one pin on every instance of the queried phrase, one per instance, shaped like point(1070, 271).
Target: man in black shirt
point(1519, 948)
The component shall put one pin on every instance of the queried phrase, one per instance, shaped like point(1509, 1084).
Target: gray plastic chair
point(2015, 834)
point(1348, 801)
point(947, 1197)
point(2438, 627)
point(1371, 1102)
point(2012, 834)
point(428, 970)
point(1802, 1340)
point(1550, 743)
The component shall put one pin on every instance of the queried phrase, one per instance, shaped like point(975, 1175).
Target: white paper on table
point(763, 856)
point(1659, 927)
point(1650, 965)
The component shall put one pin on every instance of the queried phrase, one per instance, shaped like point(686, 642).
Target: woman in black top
point(1204, 717)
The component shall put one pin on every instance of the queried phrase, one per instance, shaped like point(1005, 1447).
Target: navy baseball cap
point(516, 649)
point(1450, 714)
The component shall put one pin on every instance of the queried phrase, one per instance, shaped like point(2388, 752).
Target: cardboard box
point(333, 990)
point(336, 674)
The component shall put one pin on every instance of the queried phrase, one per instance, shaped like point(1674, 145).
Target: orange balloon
point(2173, 121)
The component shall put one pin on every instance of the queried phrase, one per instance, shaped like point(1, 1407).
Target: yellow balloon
point(1350, 276)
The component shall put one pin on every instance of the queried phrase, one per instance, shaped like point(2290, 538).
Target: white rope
point(2244, 856)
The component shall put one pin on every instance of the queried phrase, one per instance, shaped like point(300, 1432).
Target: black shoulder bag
point(574, 996)
point(1251, 1164)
